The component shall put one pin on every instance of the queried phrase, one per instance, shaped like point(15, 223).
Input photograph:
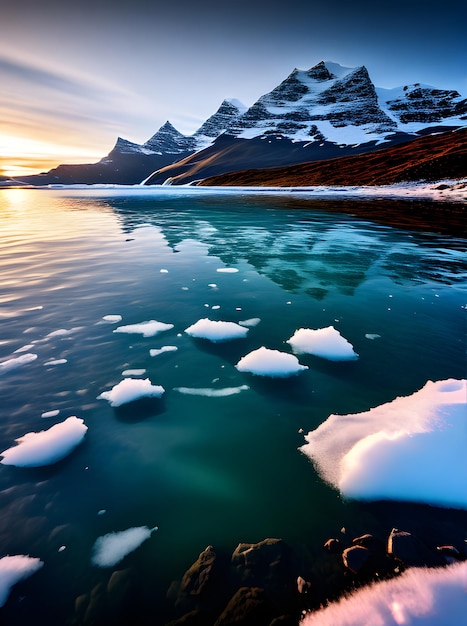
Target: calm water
point(205, 470)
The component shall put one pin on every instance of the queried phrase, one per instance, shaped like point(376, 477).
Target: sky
point(75, 76)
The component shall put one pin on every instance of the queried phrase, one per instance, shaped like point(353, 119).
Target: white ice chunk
point(53, 413)
point(410, 449)
point(130, 389)
point(211, 393)
point(227, 270)
point(158, 351)
point(372, 336)
point(249, 323)
point(56, 362)
point(13, 569)
point(326, 343)
point(24, 348)
point(420, 596)
point(147, 329)
point(134, 372)
point(47, 446)
point(164, 271)
point(273, 363)
point(112, 548)
point(216, 331)
point(18, 361)
point(62, 332)
point(112, 319)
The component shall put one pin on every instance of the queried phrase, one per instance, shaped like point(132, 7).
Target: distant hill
point(431, 158)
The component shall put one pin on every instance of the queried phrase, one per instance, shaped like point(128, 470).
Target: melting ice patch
point(47, 446)
point(147, 329)
point(18, 361)
point(112, 319)
point(55, 362)
point(13, 569)
point(112, 548)
point(249, 323)
point(216, 331)
point(130, 389)
point(326, 343)
point(211, 393)
point(411, 449)
point(419, 596)
point(159, 351)
point(273, 363)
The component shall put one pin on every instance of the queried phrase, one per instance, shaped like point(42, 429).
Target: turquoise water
point(205, 470)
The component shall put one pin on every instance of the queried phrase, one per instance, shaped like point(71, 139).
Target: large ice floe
point(47, 446)
point(216, 331)
point(147, 329)
point(326, 343)
point(112, 548)
point(272, 363)
point(130, 389)
point(13, 569)
point(419, 596)
point(410, 449)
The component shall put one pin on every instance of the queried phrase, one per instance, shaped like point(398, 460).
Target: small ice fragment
point(24, 348)
point(227, 270)
point(273, 363)
point(157, 352)
point(253, 321)
point(164, 271)
point(110, 549)
point(130, 389)
point(216, 331)
point(56, 362)
point(211, 393)
point(112, 319)
point(185, 288)
point(147, 329)
point(215, 307)
point(136, 372)
point(53, 413)
point(62, 548)
point(47, 446)
point(102, 512)
point(212, 285)
point(372, 336)
point(18, 361)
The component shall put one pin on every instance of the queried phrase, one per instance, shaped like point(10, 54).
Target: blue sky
point(74, 77)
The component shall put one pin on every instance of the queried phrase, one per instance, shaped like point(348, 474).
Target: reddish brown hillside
point(430, 158)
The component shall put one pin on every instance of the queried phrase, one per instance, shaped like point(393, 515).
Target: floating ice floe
point(147, 329)
point(134, 372)
point(47, 446)
point(326, 343)
point(13, 569)
point(419, 596)
point(158, 351)
point(227, 270)
point(18, 361)
point(112, 319)
point(130, 389)
point(53, 413)
point(25, 348)
point(56, 362)
point(410, 449)
point(112, 548)
point(216, 331)
point(62, 332)
point(372, 336)
point(250, 323)
point(211, 393)
point(273, 363)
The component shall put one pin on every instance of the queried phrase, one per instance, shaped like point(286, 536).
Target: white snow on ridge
point(47, 446)
point(216, 331)
point(110, 549)
point(130, 389)
point(13, 569)
point(271, 363)
point(420, 596)
point(326, 343)
point(147, 329)
point(410, 449)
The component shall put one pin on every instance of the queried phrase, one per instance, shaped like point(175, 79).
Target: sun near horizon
point(25, 157)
